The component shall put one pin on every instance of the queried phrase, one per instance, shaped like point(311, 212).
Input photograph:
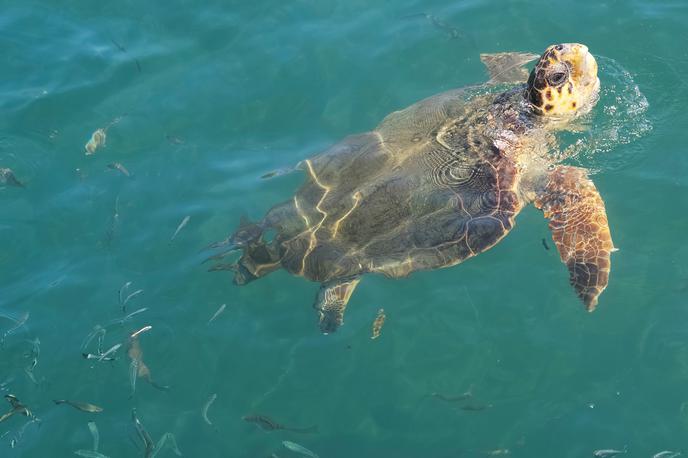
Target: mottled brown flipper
point(331, 302)
point(580, 230)
point(507, 67)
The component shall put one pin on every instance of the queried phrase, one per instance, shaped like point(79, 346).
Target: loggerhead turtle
point(439, 182)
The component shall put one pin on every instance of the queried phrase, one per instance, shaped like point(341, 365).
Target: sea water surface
point(202, 98)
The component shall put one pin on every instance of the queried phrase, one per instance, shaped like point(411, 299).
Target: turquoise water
point(203, 98)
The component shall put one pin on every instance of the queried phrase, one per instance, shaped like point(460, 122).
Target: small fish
point(267, 424)
point(18, 436)
point(90, 454)
point(497, 452)
point(95, 434)
point(133, 375)
point(7, 177)
point(111, 351)
point(475, 407)
point(606, 453)
point(377, 324)
point(184, 222)
point(141, 331)
point(126, 318)
point(123, 290)
point(98, 331)
point(138, 65)
point(148, 444)
point(98, 357)
point(544, 244)
point(461, 397)
point(97, 140)
point(216, 314)
point(83, 406)
point(294, 447)
point(29, 373)
point(34, 354)
point(120, 167)
point(119, 46)
point(17, 408)
point(206, 407)
point(130, 297)
point(666, 454)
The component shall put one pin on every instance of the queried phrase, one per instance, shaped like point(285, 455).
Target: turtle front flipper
point(331, 302)
point(580, 230)
point(507, 67)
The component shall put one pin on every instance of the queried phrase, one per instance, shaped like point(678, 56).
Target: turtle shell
point(426, 189)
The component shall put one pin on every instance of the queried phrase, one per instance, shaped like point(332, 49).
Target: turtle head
point(564, 82)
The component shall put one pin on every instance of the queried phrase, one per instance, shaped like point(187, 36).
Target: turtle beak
point(583, 64)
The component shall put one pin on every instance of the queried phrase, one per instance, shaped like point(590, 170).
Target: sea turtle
point(439, 182)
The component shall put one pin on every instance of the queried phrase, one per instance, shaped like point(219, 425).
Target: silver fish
point(90, 454)
point(123, 290)
point(83, 406)
point(98, 357)
point(294, 447)
point(7, 177)
point(184, 222)
point(131, 296)
point(148, 444)
point(461, 397)
point(95, 434)
point(133, 374)
point(666, 454)
point(111, 351)
point(220, 310)
point(206, 407)
point(606, 453)
point(97, 331)
point(120, 167)
point(126, 318)
point(141, 331)
point(34, 354)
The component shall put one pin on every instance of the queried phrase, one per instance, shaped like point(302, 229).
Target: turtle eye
point(556, 79)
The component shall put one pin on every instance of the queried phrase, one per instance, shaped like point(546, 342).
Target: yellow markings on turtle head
point(564, 81)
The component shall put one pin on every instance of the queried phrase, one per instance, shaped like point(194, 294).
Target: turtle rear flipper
point(580, 230)
point(507, 67)
point(331, 302)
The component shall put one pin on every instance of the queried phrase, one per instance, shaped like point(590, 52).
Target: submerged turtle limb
point(580, 230)
point(507, 67)
point(258, 260)
point(331, 302)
